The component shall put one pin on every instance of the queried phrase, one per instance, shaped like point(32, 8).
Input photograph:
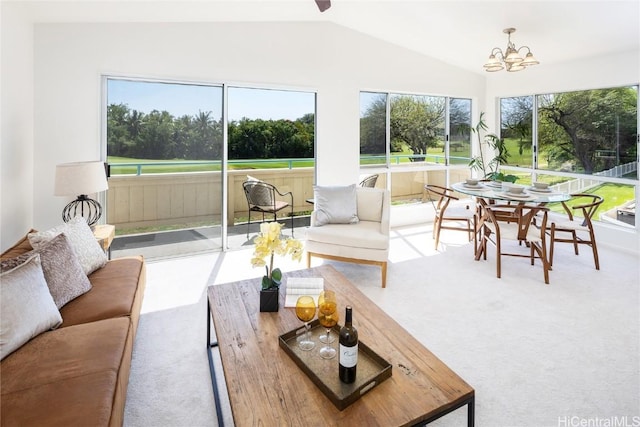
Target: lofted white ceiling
point(460, 33)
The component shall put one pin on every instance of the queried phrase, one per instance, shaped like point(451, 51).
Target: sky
point(181, 99)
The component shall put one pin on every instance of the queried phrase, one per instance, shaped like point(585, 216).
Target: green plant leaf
point(267, 283)
point(276, 275)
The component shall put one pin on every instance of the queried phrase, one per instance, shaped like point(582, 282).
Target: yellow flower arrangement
point(268, 243)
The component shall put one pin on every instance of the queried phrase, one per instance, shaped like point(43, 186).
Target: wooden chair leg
point(543, 259)
point(551, 244)
point(595, 249)
point(383, 267)
point(308, 260)
point(437, 232)
point(498, 258)
point(575, 241)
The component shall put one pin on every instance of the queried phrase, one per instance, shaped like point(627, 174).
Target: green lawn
point(614, 195)
point(172, 166)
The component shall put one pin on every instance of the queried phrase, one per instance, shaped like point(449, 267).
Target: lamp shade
point(74, 179)
point(529, 60)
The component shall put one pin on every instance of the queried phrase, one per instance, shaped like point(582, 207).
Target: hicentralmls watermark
point(615, 421)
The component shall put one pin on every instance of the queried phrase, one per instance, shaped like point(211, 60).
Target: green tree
point(594, 122)
point(155, 138)
point(516, 117)
point(373, 127)
point(118, 137)
point(418, 122)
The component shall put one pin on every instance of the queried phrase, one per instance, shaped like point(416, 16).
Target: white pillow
point(335, 205)
point(26, 307)
point(81, 239)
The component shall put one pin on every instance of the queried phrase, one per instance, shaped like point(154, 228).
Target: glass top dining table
point(493, 191)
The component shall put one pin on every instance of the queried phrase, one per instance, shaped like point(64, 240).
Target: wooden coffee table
point(266, 387)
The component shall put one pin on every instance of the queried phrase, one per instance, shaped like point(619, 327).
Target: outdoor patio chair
point(369, 181)
point(261, 197)
point(587, 205)
point(451, 213)
point(503, 223)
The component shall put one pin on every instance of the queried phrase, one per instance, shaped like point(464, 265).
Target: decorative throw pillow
point(335, 205)
point(62, 271)
point(81, 239)
point(26, 307)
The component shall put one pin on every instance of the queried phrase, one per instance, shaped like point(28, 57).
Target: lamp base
point(85, 207)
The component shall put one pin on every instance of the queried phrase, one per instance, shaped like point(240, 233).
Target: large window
point(271, 124)
point(165, 144)
point(590, 132)
point(411, 137)
point(516, 126)
point(583, 141)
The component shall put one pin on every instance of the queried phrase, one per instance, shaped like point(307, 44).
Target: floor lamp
point(79, 179)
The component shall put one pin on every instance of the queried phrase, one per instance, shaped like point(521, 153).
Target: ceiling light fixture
point(510, 58)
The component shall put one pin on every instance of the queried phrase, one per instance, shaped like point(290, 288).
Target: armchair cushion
point(366, 235)
point(370, 205)
point(335, 205)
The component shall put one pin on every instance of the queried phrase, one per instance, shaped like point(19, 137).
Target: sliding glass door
point(170, 173)
point(164, 147)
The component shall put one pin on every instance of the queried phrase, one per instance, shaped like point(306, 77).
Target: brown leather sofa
point(77, 374)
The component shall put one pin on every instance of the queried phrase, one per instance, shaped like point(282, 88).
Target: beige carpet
point(537, 355)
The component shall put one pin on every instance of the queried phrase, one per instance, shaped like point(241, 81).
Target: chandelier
point(510, 58)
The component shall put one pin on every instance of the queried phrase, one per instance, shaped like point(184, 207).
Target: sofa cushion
point(115, 289)
point(19, 248)
point(365, 234)
point(335, 205)
point(76, 380)
point(62, 271)
point(370, 204)
point(81, 238)
point(26, 307)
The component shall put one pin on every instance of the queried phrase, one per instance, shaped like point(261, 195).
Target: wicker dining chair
point(515, 223)
point(261, 197)
point(586, 205)
point(450, 213)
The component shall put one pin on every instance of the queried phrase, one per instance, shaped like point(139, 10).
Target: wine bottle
point(348, 349)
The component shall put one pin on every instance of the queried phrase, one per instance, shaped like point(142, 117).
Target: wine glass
point(306, 311)
point(328, 317)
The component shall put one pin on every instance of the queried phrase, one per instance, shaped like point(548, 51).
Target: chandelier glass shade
point(509, 59)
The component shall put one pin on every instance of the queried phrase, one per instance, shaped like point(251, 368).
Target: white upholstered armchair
point(363, 242)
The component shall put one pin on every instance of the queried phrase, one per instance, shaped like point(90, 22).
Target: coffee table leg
point(471, 412)
point(212, 371)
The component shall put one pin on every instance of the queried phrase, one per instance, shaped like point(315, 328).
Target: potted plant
point(490, 169)
point(269, 243)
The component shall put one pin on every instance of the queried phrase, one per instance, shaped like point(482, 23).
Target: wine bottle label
point(348, 356)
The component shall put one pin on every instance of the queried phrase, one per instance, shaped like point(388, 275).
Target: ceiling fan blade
point(323, 4)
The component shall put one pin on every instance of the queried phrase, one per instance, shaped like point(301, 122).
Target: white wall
point(338, 63)
point(16, 125)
